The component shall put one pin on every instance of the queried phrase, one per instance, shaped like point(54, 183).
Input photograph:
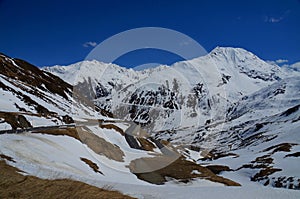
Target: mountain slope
point(189, 92)
point(227, 118)
point(234, 96)
point(14, 184)
point(41, 131)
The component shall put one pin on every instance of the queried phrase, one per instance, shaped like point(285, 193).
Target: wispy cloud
point(272, 19)
point(281, 61)
point(89, 44)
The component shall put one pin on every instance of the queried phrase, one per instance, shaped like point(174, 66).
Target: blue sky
point(58, 32)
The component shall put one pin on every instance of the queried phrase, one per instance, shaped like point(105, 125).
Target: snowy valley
point(222, 124)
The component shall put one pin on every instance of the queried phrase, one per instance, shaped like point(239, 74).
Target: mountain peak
point(225, 48)
point(231, 52)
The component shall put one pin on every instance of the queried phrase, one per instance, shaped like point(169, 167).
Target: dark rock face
point(33, 76)
point(26, 80)
point(162, 97)
point(24, 122)
point(101, 91)
point(67, 119)
point(216, 169)
point(15, 120)
point(291, 110)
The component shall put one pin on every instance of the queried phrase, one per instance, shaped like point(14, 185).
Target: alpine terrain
point(201, 126)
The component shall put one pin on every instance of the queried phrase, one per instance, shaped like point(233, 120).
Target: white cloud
point(90, 44)
point(292, 68)
point(271, 19)
point(281, 61)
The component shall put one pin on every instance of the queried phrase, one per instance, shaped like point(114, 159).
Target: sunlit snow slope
point(224, 119)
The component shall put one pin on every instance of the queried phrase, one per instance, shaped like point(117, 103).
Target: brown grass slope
point(179, 169)
point(15, 185)
point(32, 75)
point(94, 142)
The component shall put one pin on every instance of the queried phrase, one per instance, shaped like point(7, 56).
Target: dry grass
point(91, 164)
point(10, 118)
point(165, 142)
point(285, 147)
point(5, 157)
point(15, 185)
point(100, 145)
point(104, 112)
point(216, 169)
point(35, 77)
point(94, 142)
point(71, 132)
point(180, 169)
point(146, 144)
point(15, 120)
point(213, 155)
point(264, 164)
point(264, 173)
point(112, 126)
point(296, 154)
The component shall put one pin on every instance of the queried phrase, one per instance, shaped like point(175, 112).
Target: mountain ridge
point(225, 74)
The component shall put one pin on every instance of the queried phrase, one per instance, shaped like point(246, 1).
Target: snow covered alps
point(227, 121)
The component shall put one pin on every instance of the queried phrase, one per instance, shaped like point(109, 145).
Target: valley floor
point(179, 192)
point(15, 185)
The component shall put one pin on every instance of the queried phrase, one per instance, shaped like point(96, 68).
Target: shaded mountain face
point(228, 113)
point(40, 95)
point(19, 70)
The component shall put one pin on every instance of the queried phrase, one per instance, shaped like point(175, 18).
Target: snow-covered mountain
point(227, 118)
point(231, 87)
point(42, 135)
point(196, 91)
